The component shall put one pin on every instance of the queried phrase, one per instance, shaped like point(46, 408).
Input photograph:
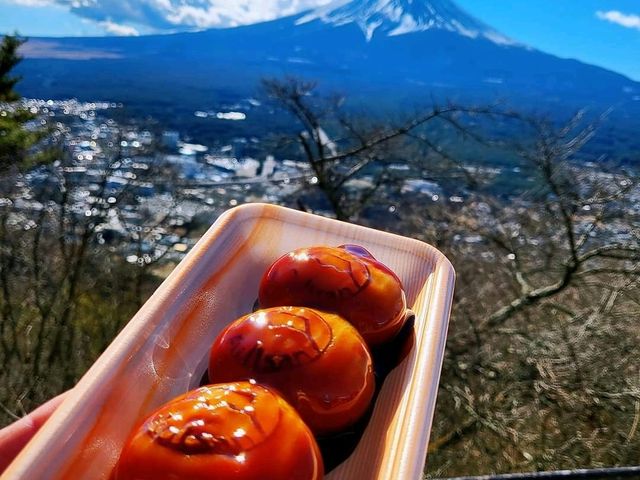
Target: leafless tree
point(541, 369)
point(65, 286)
point(350, 156)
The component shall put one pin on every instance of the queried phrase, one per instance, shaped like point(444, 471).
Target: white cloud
point(171, 15)
point(33, 3)
point(119, 29)
point(116, 16)
point(222, 13)
point(619, 18)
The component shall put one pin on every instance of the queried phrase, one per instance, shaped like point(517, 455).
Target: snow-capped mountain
point(399, 17)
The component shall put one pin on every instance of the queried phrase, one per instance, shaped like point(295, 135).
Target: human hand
point(14, 437)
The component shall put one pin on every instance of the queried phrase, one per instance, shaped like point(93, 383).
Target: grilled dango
point(347, 280)
point(236, 431)
point(316, 360)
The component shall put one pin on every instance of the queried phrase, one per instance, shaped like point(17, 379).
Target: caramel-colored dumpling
point(229, 431)
point(346, 280)
point(243, 418)
point(270, 341)
point(317, 360)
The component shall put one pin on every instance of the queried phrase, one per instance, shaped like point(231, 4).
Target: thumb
point(15, 436)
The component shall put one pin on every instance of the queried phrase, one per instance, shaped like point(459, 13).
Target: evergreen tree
point(9, 58)
point(17, 137)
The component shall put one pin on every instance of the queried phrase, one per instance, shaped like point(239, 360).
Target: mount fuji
point(398, 17)
point(398, 52)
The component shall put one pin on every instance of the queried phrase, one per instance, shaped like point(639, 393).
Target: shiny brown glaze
point(229, 431)
point(269, 342)
point(317, 360)
point(242, 419)
point(347, 280)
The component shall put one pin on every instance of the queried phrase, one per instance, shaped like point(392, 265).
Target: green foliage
point(9, 58)
point(17, 141)
point(18, 134)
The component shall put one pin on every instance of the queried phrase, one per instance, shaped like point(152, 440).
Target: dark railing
point(604, 473)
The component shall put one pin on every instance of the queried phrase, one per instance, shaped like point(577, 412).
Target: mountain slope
point(400, 17)
point(441, 52)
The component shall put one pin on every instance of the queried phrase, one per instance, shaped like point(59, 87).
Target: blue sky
point(602, 32)
point(583, 29)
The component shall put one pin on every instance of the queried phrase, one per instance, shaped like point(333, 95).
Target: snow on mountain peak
point(399, 17)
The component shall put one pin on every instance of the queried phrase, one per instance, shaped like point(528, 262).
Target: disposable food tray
point(162, 351)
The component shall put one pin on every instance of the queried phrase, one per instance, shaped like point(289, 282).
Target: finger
point(14, 437)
